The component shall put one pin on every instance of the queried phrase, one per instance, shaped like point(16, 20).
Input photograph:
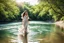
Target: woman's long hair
point(23, 14)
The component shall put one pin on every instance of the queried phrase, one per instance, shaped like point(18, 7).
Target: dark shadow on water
point(5, 36)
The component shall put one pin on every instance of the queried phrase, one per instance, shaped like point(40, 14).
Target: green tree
point(39, 12)
point(8, 10)
point(57, 6)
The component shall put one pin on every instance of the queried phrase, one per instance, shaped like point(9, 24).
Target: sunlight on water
point(36, 30)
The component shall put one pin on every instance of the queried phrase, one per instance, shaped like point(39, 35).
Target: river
point(37, 31)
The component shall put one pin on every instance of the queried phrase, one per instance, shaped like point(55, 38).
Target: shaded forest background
point(46, 10)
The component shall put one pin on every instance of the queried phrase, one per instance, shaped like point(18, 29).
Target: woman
point(23, 32)
point(25, 18)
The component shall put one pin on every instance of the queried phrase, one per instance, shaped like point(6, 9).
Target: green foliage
point(62, 18)
point(46, 10)
point(39, 12)
point(57, 6)
point(8, 10)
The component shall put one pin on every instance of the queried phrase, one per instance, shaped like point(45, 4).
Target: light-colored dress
point(25, 21)
point(23, 28)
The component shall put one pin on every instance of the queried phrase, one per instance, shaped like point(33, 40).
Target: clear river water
point(37, 31)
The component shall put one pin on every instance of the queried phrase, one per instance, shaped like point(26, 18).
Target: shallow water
point(37, 30)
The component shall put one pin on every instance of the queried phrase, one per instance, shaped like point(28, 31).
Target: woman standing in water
point(25, 18)
point(23, 31)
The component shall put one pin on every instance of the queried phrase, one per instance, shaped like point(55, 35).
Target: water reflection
point(5, 36)
point(7, 33)
point(41, 32)
point(57, 36)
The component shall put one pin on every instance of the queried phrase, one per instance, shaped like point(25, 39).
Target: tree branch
point(55, 10)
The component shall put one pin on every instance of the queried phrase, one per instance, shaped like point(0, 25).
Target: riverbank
point(60, 24)
point(5, 22)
